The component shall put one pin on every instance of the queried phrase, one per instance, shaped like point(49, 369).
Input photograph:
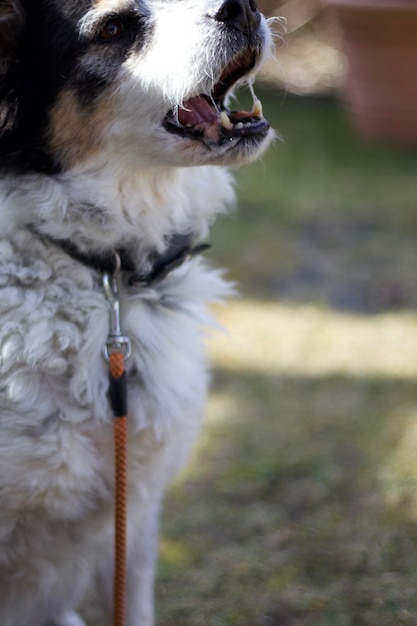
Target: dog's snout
point(242, 15)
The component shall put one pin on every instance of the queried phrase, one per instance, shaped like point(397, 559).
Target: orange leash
point(117, 350)
point(116, 360)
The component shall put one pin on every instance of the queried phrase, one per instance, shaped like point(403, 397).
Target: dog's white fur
point(56, 434)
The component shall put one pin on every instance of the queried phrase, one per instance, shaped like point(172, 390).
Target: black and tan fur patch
point(56, 80)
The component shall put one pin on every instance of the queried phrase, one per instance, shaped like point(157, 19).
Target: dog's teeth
point(225, 121)
point(239, 125)
point(248, 124)
point(257, 108)
point(257, 105)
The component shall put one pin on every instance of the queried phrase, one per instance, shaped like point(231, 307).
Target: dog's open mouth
point(206, 117)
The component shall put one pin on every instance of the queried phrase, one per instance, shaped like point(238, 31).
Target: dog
point(116, 130)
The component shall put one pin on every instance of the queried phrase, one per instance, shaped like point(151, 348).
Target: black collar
point(179, 249)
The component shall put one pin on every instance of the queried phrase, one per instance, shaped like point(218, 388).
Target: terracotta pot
point(380, 39)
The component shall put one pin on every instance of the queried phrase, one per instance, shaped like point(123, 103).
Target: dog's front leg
point(141, 564)
point(140, 578)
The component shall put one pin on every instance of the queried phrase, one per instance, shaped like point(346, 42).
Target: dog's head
point(148, 80)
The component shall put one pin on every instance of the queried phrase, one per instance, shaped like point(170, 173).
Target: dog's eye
point(111, 30)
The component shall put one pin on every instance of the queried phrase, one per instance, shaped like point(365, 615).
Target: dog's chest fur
point(53, 388)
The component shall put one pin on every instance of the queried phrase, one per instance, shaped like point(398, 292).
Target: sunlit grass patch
point(272, 336)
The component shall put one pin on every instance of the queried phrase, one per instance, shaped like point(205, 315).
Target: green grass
point(322, 165)
point(299, 507)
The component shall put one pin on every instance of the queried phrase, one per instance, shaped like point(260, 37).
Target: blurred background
point(299, 507)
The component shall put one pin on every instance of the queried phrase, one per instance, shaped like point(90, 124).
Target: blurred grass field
point(299, 507)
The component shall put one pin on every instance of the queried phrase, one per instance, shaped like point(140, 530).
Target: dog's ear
point(11, 26)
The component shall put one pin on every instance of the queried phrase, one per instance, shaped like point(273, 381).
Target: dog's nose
point(242, 15)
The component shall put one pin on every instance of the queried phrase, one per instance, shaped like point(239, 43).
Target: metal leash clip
point(116, 342)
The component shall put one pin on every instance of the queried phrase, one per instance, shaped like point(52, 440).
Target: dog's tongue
point(196, 110)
